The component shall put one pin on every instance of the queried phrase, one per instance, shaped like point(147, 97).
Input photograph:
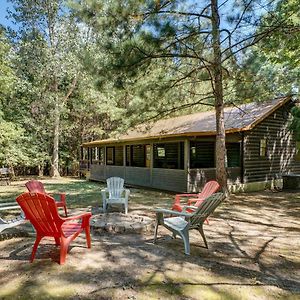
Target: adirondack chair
point(209, 188)
point(183, 221)
point(9, 223)
point(117, 194)
point(35, 186)
point(40, 209)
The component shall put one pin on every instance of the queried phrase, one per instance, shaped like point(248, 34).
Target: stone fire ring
point(121, 223)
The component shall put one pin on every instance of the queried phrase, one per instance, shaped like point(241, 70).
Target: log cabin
point(178, 154)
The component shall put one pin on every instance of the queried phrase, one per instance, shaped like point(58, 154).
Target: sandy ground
point(254, 253)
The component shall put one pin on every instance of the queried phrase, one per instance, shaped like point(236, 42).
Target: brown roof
point(241, 118)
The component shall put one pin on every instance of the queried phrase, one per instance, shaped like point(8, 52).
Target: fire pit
point(121, 223)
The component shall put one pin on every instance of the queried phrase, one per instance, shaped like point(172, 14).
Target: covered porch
point(179, 165)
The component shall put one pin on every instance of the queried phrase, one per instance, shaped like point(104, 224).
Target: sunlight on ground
point(253, 253)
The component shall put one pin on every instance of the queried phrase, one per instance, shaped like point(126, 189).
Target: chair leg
point(57, 241)
point(186, 240)
point(63, 251)
point(104, 206)
point(66, 213)
point(126, 208)
point(155, 232)
point(88, 236)
point(35, 246)
point(203, 236)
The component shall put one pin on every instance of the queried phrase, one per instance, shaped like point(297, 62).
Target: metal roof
point(239, 118)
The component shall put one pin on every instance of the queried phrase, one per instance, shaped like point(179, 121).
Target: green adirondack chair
point(179, 223)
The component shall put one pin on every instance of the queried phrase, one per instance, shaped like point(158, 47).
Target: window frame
point(110, 162)
point(263, 148)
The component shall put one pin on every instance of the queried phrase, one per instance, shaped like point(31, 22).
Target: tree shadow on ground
point(253, 250)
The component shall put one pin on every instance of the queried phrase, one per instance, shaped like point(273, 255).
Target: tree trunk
point(217, 83)
point(55, 157)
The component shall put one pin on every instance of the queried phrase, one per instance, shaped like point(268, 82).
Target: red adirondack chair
point(40, 209)
point(35, 186)
point(209, 188)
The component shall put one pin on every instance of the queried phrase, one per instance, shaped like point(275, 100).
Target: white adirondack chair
point(116, 193)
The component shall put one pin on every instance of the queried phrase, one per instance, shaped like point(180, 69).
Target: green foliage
point(103, 66)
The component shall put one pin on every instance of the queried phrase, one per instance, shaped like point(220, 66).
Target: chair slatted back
point(40, 209)
point(206, 208)
point(209, 188)
point(115, 186)
point(35, 186)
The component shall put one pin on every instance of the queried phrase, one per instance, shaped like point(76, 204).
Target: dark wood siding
point(117, 171)
point(281, 148)
point(138, 176)
point(169, 179)
point(97, 172)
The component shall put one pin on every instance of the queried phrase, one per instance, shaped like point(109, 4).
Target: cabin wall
point(280, 148)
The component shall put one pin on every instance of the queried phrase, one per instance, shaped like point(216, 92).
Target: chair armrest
point(189, 207)
point(85, 218)
point(61, 195)
point(84, 215)
point(195, 200)
point(178, 196)
point(103, 193)
point(127, 193)
point(172, 212)
point(185, 195)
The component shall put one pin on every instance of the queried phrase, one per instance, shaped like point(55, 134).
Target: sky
point(4, 5)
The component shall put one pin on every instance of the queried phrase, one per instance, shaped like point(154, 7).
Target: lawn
point(254, 253)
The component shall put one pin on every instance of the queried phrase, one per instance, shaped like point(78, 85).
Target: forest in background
point(74, 71)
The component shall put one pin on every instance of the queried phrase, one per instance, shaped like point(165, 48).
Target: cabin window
point(168, 155)
point(263, 148)
point(110, 155)
point(161, 152)
point(233, 154)
point(119, 156)
point(298, 151)
point(138, 155)
point(202, 155)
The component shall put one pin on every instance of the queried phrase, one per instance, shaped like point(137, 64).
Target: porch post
point(124, 162)
point(104, 162)
point(151, 164)
point(187, 163)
